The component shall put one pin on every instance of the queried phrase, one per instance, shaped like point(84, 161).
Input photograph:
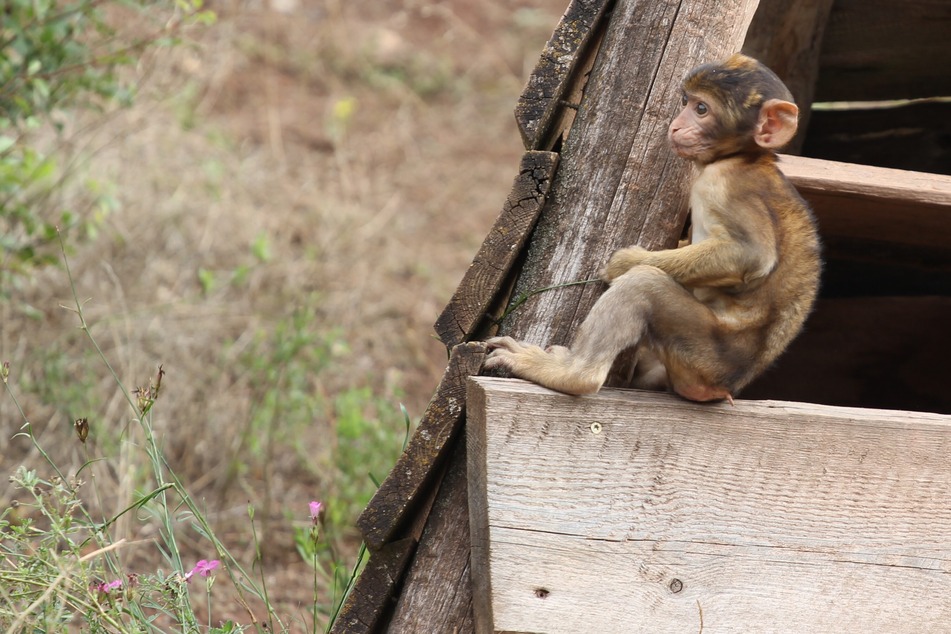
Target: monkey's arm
point(718, 261)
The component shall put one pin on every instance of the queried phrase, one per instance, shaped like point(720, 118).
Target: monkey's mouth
point(688, 148)
point(680, 149)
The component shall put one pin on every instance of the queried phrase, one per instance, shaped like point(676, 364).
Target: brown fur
point(715, 313)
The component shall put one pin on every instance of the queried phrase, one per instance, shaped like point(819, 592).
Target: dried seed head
point(82, 429)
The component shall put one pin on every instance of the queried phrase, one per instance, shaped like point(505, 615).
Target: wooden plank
point(618, 183)
point(437, 596)
point(636, 511)
point(786, 35)
point(499, 251)
point(372, 596)
point(556, 71)
point(874, 203)
point(882, 49)
point(406, 485)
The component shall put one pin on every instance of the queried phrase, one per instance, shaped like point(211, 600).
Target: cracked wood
point(562, 60)
point(401, 494)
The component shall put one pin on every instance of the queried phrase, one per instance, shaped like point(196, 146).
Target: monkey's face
point(737, 106)
point(696, 133)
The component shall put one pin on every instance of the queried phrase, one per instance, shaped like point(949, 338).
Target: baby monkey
point(708, 317)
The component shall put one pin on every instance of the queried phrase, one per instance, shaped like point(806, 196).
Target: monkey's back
point(789, 292)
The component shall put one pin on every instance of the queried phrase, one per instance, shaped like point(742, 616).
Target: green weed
point(62, 562)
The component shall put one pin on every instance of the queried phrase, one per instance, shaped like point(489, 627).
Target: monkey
point(708, 317)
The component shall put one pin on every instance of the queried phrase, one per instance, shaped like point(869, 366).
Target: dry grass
point(344, 159)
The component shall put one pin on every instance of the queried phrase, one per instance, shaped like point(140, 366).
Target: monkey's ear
point(777, 124)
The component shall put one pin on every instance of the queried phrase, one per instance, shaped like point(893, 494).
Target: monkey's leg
point(649, 371)
point(645, 306)
point(617, 321)
point(702, 357)
point(556, 368)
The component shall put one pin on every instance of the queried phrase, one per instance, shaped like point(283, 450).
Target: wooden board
point(786, 35)
point(437, 596)
point(886, 352)
point(874, 203)
point(908, 136)
point(406, 485)
point(635, 511)
point(500, 249)
point(372, 596)
point(557, 69)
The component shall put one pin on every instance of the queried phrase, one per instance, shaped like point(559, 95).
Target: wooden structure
point(635, 512)
point(597, 175)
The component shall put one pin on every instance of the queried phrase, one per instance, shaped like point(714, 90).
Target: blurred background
point(276, 220)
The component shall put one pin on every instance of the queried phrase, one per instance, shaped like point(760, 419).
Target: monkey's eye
point(702, 108)
point(683, 100)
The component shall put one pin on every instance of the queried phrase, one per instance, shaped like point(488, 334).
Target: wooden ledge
point(874, 203)
point(634, 511)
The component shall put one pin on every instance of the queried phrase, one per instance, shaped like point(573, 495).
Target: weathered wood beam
point(437, 596)
point(561, 65)
point(618, 182)
point(500, 250)
point(882, 49)
point(406, 485)
point(372, 596)
point(637, 511)
point(874, 203)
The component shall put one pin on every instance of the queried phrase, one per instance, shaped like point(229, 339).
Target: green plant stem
point(160, 467)
point(523, 297)
point(260, 561)
point(315, 580)
point(349, 587)
point(208, 595)
point(152, 449)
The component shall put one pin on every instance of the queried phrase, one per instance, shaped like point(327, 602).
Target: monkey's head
point(734, 107)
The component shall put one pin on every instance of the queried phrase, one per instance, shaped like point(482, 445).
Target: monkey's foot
point(508, 354)
point(554, 369)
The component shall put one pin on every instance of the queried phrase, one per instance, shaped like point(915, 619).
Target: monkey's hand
point(622, 261)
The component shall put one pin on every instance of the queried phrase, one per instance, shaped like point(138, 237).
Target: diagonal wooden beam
point(407, 483)
point(560, 71)
point(500, 250)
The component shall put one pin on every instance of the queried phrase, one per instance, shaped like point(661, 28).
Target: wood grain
point(881, 49)
point(763, 517)
point(372, 595)
point(500, 249)
point(786, 35)
point(618, 183)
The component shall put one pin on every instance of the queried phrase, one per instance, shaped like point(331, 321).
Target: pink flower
point(315, 508)
point(105, 588)
point(204, 567)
